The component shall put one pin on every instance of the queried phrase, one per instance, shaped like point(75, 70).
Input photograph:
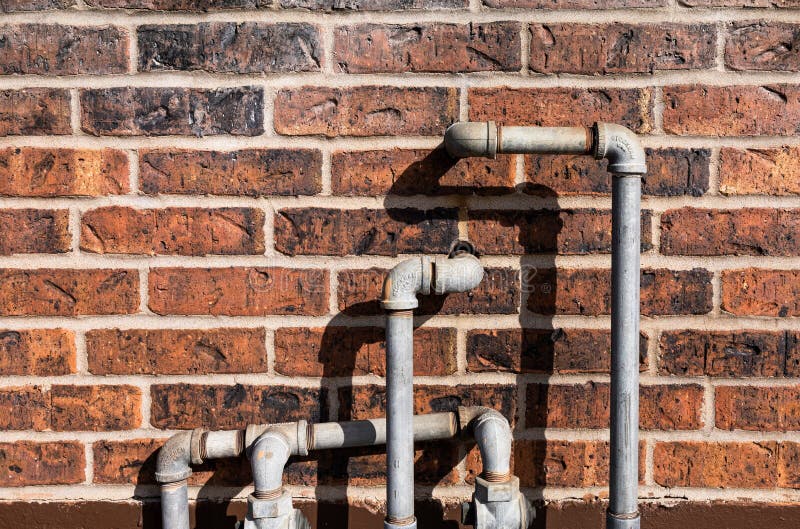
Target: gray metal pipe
point(175, 505)
point(626, 162)
point(493, 436)
point(372, 432)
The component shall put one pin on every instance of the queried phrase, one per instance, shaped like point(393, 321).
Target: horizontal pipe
point(544, 140)
point(371, 432)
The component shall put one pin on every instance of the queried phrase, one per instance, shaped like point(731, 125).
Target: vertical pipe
point(625, 261)
point(400, 417)
point(175, 505)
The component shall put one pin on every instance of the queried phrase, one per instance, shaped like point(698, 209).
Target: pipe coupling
point(621, 147)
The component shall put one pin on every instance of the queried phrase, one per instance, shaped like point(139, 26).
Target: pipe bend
point(268, 457)
point(404, 282)
point(174, 458)
point(493, 436)
point(456, 274)
point(621, 147)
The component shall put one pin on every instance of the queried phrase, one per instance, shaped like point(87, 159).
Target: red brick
point(95, 408)
point(29, 171)
point(10, 6)
point(670, 172)
point(24, 408)
point(368, 402)
point(756, 292)
point(356, 351)
point(34, 111)
point(663, 292)
point(427, 47)
point(745, 231)
point(762, 45)
point(741, 3)
point(757, 408)
point(566, 231)
point(34, 231)
point(53, 49)
point(66, 292)
point(243, 291)
point(719, 465)
point(317, 5)
point(573, 4)
point(562, 106)
point(28, 463)
point(365, 111)
point(724, 353)
point(542, 350)
point(759, 171)
point(419, 172)
point(185, 406)
point(173, 231)
point(731, 110)
point(181, 5)
point(229, 47)
point(661, 407)
point(621, 48)
point(37, 352)
point(249, 172)
point(322, 231)
point(176, 352)
point(360, 293)
point(128, 111)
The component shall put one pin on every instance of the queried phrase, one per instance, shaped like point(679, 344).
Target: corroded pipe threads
point(268, 494)
point(496, 477)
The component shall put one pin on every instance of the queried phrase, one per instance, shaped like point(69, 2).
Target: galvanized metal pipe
point(547, 140)
point(371, 432)
point(175, 505)
point(625, 258)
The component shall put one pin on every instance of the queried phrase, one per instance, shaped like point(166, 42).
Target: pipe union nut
point(488, 492)
point(275, 508)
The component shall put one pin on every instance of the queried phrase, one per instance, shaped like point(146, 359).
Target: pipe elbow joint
point(456, 274)
point(621, 147)
point(174, 458)
point(493, 436)
point(268, 457)
point(471, 138)
point(404, 282)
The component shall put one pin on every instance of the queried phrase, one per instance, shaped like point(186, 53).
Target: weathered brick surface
point(662, 407)
point(562, 106)
point(11, 6)
point(179, 231)
point(746, 231)
point(34, 112)
point(317, 231)
point(367, 402)
point(365, 111)
point(216, 407)
point(729, 353)
point(321, 5)
point(167, 351)
point(663, 291)
point(741, 3)
point(95, 408)
point(542, 350)
point(26, 463)
point(359, 293)
point(238, 291)
point(670, 172)
point(34, 231)
point(38, 352)
point(355, 351)
point(756, 465)
point(757, 408)
point(236, 111)
point(28, 171)
point(731, 110)
point(620, 48)
point(427, 47)
point(249, 172)
point(68, 292)
point(419, 172)
point(758, 292)
point(52, 49)
point(24, 408)
point(759, 171)
point(249, 47)
point(570, 232)
point(762, 45)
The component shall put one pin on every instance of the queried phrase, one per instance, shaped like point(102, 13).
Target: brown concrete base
point(223, 515)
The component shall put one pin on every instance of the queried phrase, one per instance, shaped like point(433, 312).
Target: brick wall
point(198, 209)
